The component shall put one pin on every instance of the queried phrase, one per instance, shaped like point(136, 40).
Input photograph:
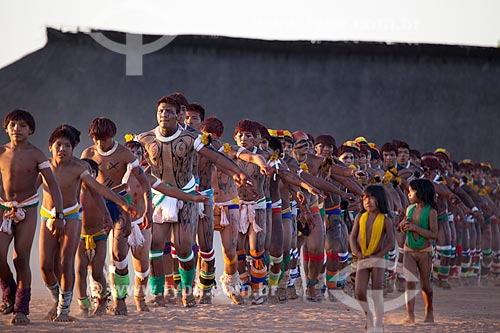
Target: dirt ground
point(461, 309)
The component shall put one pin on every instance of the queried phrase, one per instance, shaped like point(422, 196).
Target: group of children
point(390, 213)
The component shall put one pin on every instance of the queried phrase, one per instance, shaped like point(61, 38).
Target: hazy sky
point(23, 22)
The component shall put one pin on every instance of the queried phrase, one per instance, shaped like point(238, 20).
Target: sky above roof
point(456, 22)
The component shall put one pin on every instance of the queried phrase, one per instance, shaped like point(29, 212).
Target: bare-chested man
point(114, 160)
point(337, 238)
point(140, 239)
point(226, 210)
point(314, 244)
point(171, 152)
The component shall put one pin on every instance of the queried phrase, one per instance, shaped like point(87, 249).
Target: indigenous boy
point(20, 164)
point(284, 176)
point(96, 224)
point(195, 115)
point(397, 204)
point(226, 210)
point(70, 172)
point(421, 226)
point(171, 151)
point(337, 238)
point(253, 213)
point(310, 166)
point(114, 160)
point(443, 241)
point(372, 236)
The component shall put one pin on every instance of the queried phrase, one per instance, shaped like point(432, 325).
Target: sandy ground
point(461, 309)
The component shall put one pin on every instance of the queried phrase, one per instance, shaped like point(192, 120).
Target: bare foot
point(62, 318)
point(408, 320)
point(292, 293)
point(6, 308)
point(19, 318)
point(429, 317)
point(140, 304)
point(170, 296)
point(101, 306)
point(188, 300)
point(258, 299)
point(236, 299)
point(206, 298)
point(313, 294)
point(52, 313)
point(84, 312)
point(120, 308)
point(273, 299)
point(282, 295)
point(444, 285)
point(157, 301)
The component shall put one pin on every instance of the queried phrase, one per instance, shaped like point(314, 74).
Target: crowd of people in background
point(298, 216)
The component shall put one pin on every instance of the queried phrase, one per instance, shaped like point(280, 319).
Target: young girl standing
point(420, 225)
point(372, 237)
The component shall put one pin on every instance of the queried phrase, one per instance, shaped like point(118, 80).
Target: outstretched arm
point(239, 175)
point(322, 184)
point(175, 192)
point(248, 156)
point(100, 189)
point(291, 178)
point(350, 183)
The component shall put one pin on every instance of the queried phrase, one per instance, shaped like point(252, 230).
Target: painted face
point(244, 139)
point(138, 153)
point(347, 158)
point(301, 145)
point(166, 116)
point(389, 159)
point(18, 130)
point(61, 149)
point(323, 150)
point(403, 156)
point(369, 203)
point(193, 119)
